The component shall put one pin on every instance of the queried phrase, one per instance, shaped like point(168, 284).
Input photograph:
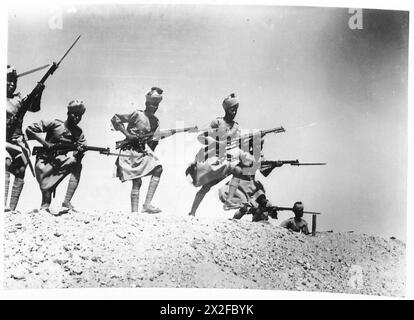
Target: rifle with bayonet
point(142, 139)
point(244, 142)
point(14, 121)
point(267, 166)
point(64, 148)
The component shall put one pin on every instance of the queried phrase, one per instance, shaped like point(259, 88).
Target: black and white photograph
point(195, 145)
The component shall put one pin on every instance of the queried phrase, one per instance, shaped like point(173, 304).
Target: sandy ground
point(115, 249)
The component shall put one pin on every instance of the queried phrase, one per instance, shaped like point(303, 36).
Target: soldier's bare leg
point(152, 187)
point(200, 196)
point(136, 185)
point(72, 186)
point(233, 185)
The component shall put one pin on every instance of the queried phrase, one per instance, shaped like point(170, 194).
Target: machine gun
point(14, 121)
point(141, 140)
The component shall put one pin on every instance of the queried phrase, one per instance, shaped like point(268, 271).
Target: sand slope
point(114, 249)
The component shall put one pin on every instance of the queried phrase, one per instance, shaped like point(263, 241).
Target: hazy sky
point(341, 94)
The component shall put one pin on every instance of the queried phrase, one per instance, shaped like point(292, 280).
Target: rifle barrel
point(99, 149)
point(66, 53)
point(309, 164)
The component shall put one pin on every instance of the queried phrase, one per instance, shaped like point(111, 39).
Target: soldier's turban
point(298, 206)
point(154, 96)
point(11, 73)
point(230, 101)
point(76, 106)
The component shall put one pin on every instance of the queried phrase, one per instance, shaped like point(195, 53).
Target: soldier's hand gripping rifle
point(244, 142)
point(14, 121)
point(141, 140)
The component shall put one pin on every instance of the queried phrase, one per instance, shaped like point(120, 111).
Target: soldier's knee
point(136, 183)
point(8, 163)
point(77, 170)
point(237, 172)
point(20, 172)
point(158, 171)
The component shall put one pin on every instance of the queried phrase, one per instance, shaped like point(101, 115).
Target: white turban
point(230, 101)
point(76, 106)
point(154, 96)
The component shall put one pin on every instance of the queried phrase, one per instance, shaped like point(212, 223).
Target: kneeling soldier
point(52, 168)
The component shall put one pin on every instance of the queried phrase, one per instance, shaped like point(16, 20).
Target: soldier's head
point(11, 81)
point(230, 105)
point(76, 109)
point(298, 209)
point(153, 99)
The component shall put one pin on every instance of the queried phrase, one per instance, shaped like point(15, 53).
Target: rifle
point(214, 150)
point(13, 122)
point(141, 140)
point(267, 166)
point(63, 148)
point(296, 162)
